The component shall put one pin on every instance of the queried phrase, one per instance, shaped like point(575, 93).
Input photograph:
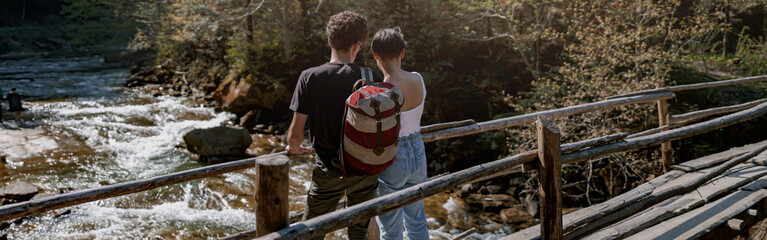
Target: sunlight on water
point(108, 135)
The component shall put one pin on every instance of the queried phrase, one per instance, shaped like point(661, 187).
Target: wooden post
point(272, 194)
point(550, 178)
point(665, 148)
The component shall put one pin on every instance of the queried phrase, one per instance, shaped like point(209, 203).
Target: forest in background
point(482, 60)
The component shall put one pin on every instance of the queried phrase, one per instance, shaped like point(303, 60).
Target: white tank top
point(411, 119)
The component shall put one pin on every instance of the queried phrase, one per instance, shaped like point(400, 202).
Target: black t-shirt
point(321, 93)
point(14, 102)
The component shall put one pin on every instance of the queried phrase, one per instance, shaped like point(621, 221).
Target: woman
point(409, 167)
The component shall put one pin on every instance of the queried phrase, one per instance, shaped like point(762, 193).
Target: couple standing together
point(320, 97)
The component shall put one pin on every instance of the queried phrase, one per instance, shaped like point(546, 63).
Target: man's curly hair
point(345, 29)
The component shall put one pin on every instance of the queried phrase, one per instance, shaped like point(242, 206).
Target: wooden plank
point(741, 175)
point(694, 86)
point(530, 118)
point(550, 178)
point(660, 195)
point(595, 211)
point(632, 202)
point(692, 116)
point(713, 159)
point(761, 159)
point(675, 134)
point(757, 184)
point(700, 221)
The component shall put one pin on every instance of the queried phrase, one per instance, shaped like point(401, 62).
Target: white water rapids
point(106, 134)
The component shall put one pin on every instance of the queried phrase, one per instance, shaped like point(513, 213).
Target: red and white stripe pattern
point(371, 128)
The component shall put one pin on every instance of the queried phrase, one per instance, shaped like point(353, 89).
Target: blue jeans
point(408, 169)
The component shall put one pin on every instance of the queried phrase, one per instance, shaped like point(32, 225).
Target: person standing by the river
point(1, 105)
point(409, 167)
point(319, 98)
point(14, 104)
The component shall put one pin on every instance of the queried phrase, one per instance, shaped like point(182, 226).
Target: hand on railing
point(301, 150)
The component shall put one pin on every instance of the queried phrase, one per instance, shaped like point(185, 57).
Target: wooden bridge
point(716, 196)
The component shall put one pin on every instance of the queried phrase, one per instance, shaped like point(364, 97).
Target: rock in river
point(218, 141)
point(19, 143)
point(19, 191)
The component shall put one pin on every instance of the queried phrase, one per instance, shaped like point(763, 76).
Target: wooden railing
point(267, 191)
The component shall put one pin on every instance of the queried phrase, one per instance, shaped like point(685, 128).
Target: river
point(99, 133)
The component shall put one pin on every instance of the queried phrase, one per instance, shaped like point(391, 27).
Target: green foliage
point(752, 52)
point(99, 22)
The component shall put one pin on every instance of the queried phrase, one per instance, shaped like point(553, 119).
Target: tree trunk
point(251, 42)
point(285, 34)
point(304, 17)
point(23, 9)
point(726, 27)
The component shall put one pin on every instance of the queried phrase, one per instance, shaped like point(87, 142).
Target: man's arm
point(296, 134)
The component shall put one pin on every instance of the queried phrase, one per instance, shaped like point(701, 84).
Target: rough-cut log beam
point(27, 208)
point(272, 185)
point(440, 126)
point(582, 222)
point(675, 134)
point(566, 148)
point(692, 116)
point(650, 131)
point(601, 209)
point(693, 86)
point(576, 232)
point(736, 224)
point(339, 219)
point(736, 177)
point(530, 118)
point(665, 147)
point(550, 178)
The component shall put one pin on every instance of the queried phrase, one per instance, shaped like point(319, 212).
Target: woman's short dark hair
point(388, 42)
point(345, 29)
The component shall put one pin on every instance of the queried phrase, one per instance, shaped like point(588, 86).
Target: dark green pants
point(327, 189)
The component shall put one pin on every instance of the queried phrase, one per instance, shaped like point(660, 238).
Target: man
point(1, 105)
point(14, 104)
point(319, 98)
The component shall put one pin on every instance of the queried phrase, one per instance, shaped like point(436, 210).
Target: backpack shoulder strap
point(367, 74)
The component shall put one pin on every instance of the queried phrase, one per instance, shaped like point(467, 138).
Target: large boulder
point(18, 191)
point(218, 141)
point(241, 96)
